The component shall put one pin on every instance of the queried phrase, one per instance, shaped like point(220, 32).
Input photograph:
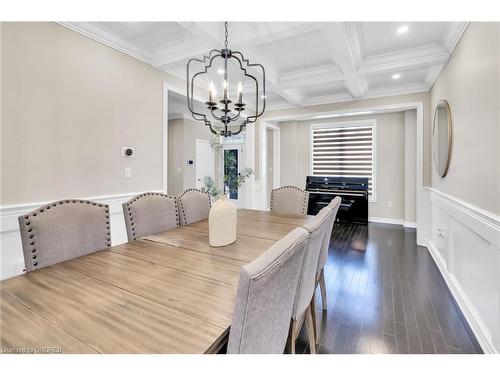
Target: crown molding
point(453, 35)
point(177, 52)
point(103, 36)
point(433, 74)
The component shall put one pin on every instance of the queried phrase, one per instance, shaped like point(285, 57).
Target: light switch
point(127, 173)
point(389, 204)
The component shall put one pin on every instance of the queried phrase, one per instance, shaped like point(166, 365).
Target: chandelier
point(223, 116)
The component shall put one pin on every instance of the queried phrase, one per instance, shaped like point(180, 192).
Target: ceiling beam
point(345, 51)
point(402, 60)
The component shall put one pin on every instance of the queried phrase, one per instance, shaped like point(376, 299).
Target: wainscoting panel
point(11, 253)
point(465, 243)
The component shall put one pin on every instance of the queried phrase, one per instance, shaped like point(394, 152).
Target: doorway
point(270, 162)
point(233, 165)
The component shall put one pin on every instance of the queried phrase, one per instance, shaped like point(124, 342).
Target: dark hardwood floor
point(386, 295)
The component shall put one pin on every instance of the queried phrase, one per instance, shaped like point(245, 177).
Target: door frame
point(264, 127)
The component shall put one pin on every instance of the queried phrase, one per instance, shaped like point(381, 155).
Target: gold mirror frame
point(436, 154)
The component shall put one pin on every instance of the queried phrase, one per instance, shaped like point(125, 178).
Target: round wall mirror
point(441, 137)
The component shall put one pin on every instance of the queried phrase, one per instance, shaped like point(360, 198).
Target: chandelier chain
point(226, 35)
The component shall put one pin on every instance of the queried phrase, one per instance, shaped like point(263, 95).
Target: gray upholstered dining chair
point(289, 200)
point(194, 205)
point(304, 302)
point(265, 297)
point(63, 230)
point(150, 213)
point(333, 206)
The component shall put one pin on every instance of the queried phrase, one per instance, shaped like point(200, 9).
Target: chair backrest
point(265, 297)
point(63, 230)
point(194, 205)
point(289, 200)
point(333, 206)
point(307, 279)
point(150, 213)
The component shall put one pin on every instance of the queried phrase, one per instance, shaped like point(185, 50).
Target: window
point(346, 150)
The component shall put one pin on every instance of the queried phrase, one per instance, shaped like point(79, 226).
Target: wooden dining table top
point(165, 293)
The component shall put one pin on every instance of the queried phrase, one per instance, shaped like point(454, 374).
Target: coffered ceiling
point(306, 63)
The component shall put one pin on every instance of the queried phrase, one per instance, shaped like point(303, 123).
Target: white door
point(233, 164)
point(205, 162)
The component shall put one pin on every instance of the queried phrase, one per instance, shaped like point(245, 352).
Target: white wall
point(461, 209)
point(69, 104)
point(470, 82)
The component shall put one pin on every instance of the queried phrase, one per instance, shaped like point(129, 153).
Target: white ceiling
point(306, 63)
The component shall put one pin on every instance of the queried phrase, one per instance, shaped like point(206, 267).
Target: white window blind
point(344, 150)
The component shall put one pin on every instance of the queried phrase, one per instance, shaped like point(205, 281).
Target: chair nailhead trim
point(137, 197)
point(29, 229)
point(306, 196)
point(184, 218)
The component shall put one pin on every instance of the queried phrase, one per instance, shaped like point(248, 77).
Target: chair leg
point(310, 331)
point(292, 336)
point(322, 286)
point(314, 317)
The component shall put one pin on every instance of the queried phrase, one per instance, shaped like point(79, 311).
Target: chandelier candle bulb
point(211, 92)
point(225, 89)
point(240, 92)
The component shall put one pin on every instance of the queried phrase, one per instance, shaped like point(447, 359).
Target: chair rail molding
point(11, 254)
point(464, 241)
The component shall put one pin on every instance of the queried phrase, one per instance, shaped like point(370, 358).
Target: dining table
point(165, 293)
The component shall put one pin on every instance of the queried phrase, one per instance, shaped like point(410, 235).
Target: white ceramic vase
point(222, 222)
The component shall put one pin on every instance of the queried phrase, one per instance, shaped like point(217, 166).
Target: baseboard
point(410, 224)
point(387, 220)
point(475, 322)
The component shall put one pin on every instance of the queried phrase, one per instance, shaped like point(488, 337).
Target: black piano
point(352, 190)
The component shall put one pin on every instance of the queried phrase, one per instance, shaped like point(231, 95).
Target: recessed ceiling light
point(220, 71)
point(402, 29)
point(396, 76)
